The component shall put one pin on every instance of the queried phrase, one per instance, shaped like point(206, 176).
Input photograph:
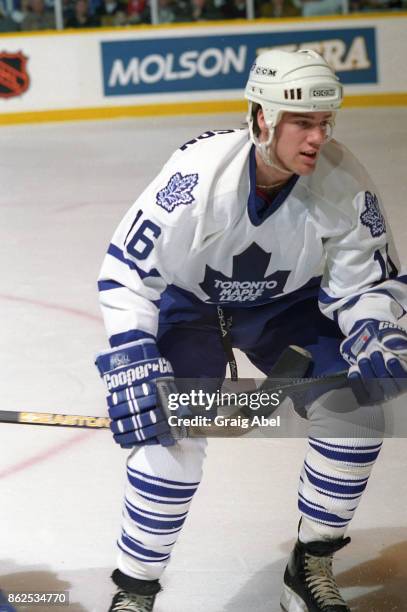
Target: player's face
point(299, 138)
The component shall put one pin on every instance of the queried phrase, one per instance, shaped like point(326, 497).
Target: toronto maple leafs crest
point(372, 216)
point(248, 282)
point(177, 191)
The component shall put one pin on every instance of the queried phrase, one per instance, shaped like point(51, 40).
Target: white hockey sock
point(311, 531)
point(161, 483)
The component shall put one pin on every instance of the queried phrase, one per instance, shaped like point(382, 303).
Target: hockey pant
point(344, 442)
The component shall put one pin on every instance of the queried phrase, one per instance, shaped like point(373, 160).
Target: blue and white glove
point(377, 354)
point(131, 373)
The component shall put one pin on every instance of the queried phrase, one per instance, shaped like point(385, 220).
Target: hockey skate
point(133, 595)
point(309, 584)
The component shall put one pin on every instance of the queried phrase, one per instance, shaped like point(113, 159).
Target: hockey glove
point(377, 354)
point(131, 374)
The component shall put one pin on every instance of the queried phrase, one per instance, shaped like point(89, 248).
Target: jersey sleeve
point(362, 278)
point(150, 243)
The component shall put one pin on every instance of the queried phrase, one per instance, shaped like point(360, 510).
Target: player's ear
point(260, 119)
point(262, 128)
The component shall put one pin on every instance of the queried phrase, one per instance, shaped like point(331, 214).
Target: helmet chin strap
point(266, 150)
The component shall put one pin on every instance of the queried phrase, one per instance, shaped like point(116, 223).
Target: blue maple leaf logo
point(372, 216)
point(177, 191)
point(248, 282)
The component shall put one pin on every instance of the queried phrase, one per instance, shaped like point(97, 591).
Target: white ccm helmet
point(293, 81)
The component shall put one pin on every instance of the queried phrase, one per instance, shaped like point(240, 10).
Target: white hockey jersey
point(201, 227)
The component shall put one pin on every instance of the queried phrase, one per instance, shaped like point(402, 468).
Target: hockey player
point(281, 227)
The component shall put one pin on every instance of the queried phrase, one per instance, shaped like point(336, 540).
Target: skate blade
point(291, 602)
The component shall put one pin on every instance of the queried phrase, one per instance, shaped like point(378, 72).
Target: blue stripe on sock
point(336, 479)
point(182, 495)
point(321, 515)
point(137, 547)
point(334, 487)
point(176, 483)
point(140, 558)
point(346, 457)
point(157, 515)
point(168, 524)
point(344, 446)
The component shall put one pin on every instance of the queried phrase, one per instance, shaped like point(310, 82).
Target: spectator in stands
point(279, 8)
point(183, 11)
point(357, 6)
point(170, 11)
point(382, 5)
point(167, 11)
point(205, 10)
point(137, 12)
point(111, 13)
point(20, 9)
point(38, 17)
point(68, 10)
point(234, 9)
point(81, 17)
point(312, 8)
point(7, 24)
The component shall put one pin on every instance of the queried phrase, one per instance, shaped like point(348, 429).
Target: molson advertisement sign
point(222, 62)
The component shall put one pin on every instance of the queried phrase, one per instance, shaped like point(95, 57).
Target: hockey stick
point(52, 418)
point(295, 389)
point(292, 364)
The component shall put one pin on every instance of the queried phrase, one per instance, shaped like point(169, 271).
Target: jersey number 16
point(141, 245)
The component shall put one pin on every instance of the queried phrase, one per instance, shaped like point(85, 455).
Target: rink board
point(147, 70)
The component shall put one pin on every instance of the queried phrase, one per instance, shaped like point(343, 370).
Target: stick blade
point(293, 362)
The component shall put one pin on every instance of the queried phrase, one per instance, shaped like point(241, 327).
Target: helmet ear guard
point(271, 118)
point(284, 81)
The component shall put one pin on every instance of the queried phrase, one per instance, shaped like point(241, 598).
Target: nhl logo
point(14, 79)
point(118, 360)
